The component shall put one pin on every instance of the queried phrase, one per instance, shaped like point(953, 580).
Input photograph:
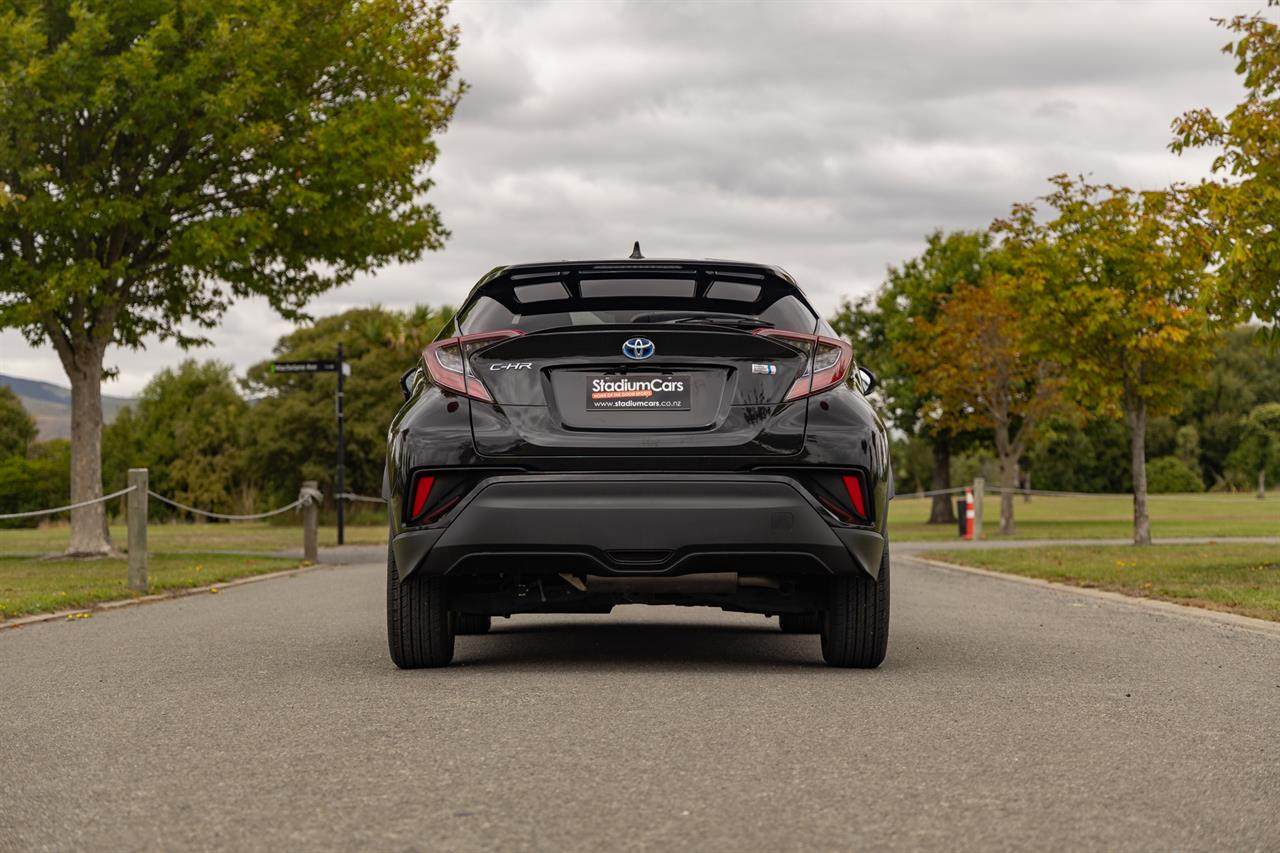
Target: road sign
point(321, 366)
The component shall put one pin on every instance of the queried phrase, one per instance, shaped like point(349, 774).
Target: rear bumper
point(638, 524)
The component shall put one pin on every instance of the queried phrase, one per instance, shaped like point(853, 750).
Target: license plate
point(639, 393)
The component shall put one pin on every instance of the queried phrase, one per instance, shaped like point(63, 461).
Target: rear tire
point(800, 623)
point(855, 627)
point(419, 622)
point(472, 623)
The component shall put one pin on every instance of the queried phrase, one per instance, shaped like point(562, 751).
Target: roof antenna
point(635, 252)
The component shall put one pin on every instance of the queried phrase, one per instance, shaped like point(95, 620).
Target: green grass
point(1103, 517)
point(175, 538)
point(1239, 578)
point(41, 586)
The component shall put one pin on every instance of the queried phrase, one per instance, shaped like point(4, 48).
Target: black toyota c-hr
point(592, 433)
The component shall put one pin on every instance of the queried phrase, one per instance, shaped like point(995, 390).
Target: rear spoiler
point(774, 282)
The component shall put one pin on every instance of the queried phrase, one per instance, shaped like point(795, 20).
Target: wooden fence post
point(979, 484)
point(310, 517)
point(137, 519)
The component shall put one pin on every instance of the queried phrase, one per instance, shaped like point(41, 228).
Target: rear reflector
point(431, 493)
point(853, 485)
point(421, 491)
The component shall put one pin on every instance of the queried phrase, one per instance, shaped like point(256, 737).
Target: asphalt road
point(1007, 716)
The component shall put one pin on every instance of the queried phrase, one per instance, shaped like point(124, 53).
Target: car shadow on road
point(671, 645)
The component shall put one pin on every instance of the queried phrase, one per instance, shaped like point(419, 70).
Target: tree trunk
point(942, 513)
point(1262, 484)
point(1138, 444)
point(88, 524)
point(1007, 455)
point(1008, 483)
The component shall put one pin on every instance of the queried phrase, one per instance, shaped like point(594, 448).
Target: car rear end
point(588, 434)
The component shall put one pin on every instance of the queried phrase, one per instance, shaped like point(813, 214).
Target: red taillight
point(853, 485)
point(831, 361)
point(827, 365)
point(449, 362)
point(421, 492)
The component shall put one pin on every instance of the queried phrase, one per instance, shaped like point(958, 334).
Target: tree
point(1072, 457)
point(36, 481)
point(912, 463)
point(976, 359)
point(881, 325)
point(1187, 444)
point(1243, 374)
point(295, 437)
point(160, 159)
point(1116, 291)
point(1246, 206)
point(189, 429)
point(1260, 448)
point(1208, 433)
point(17, 428)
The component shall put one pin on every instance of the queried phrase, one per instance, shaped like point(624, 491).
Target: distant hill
point(50, 405)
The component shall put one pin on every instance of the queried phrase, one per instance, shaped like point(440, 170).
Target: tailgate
point(691, 390)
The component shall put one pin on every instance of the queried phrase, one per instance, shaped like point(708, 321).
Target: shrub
point(40, 480)
point(1170, 474)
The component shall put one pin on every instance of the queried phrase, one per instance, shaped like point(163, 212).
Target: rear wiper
point(742, 321)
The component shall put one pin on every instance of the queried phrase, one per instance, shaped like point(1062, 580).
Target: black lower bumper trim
point(660, 524)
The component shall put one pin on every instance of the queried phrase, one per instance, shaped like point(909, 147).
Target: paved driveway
point(1007, 716)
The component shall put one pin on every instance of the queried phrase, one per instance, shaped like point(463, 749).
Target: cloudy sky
point(825, 137)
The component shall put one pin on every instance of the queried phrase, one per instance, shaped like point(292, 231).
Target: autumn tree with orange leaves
point(981, 369)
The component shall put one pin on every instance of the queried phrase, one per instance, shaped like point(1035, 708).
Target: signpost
point(342, 449)
point(340, 367)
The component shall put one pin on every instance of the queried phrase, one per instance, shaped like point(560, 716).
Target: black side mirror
point(867, 380)
point(407, 380)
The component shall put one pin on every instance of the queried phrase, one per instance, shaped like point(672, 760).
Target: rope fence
point(1126, 495)
point(224, 516)
point(350, 496)
point(900, 496)
point(305, 496)
point(35, 512)
point(1045, 493)
point(308, 501)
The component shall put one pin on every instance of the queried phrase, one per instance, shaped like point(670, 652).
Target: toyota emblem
point(638, 349)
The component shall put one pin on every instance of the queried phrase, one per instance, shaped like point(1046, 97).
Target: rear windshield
point(535, 306)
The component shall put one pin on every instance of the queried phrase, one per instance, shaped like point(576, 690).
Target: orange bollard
point(968, 513)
